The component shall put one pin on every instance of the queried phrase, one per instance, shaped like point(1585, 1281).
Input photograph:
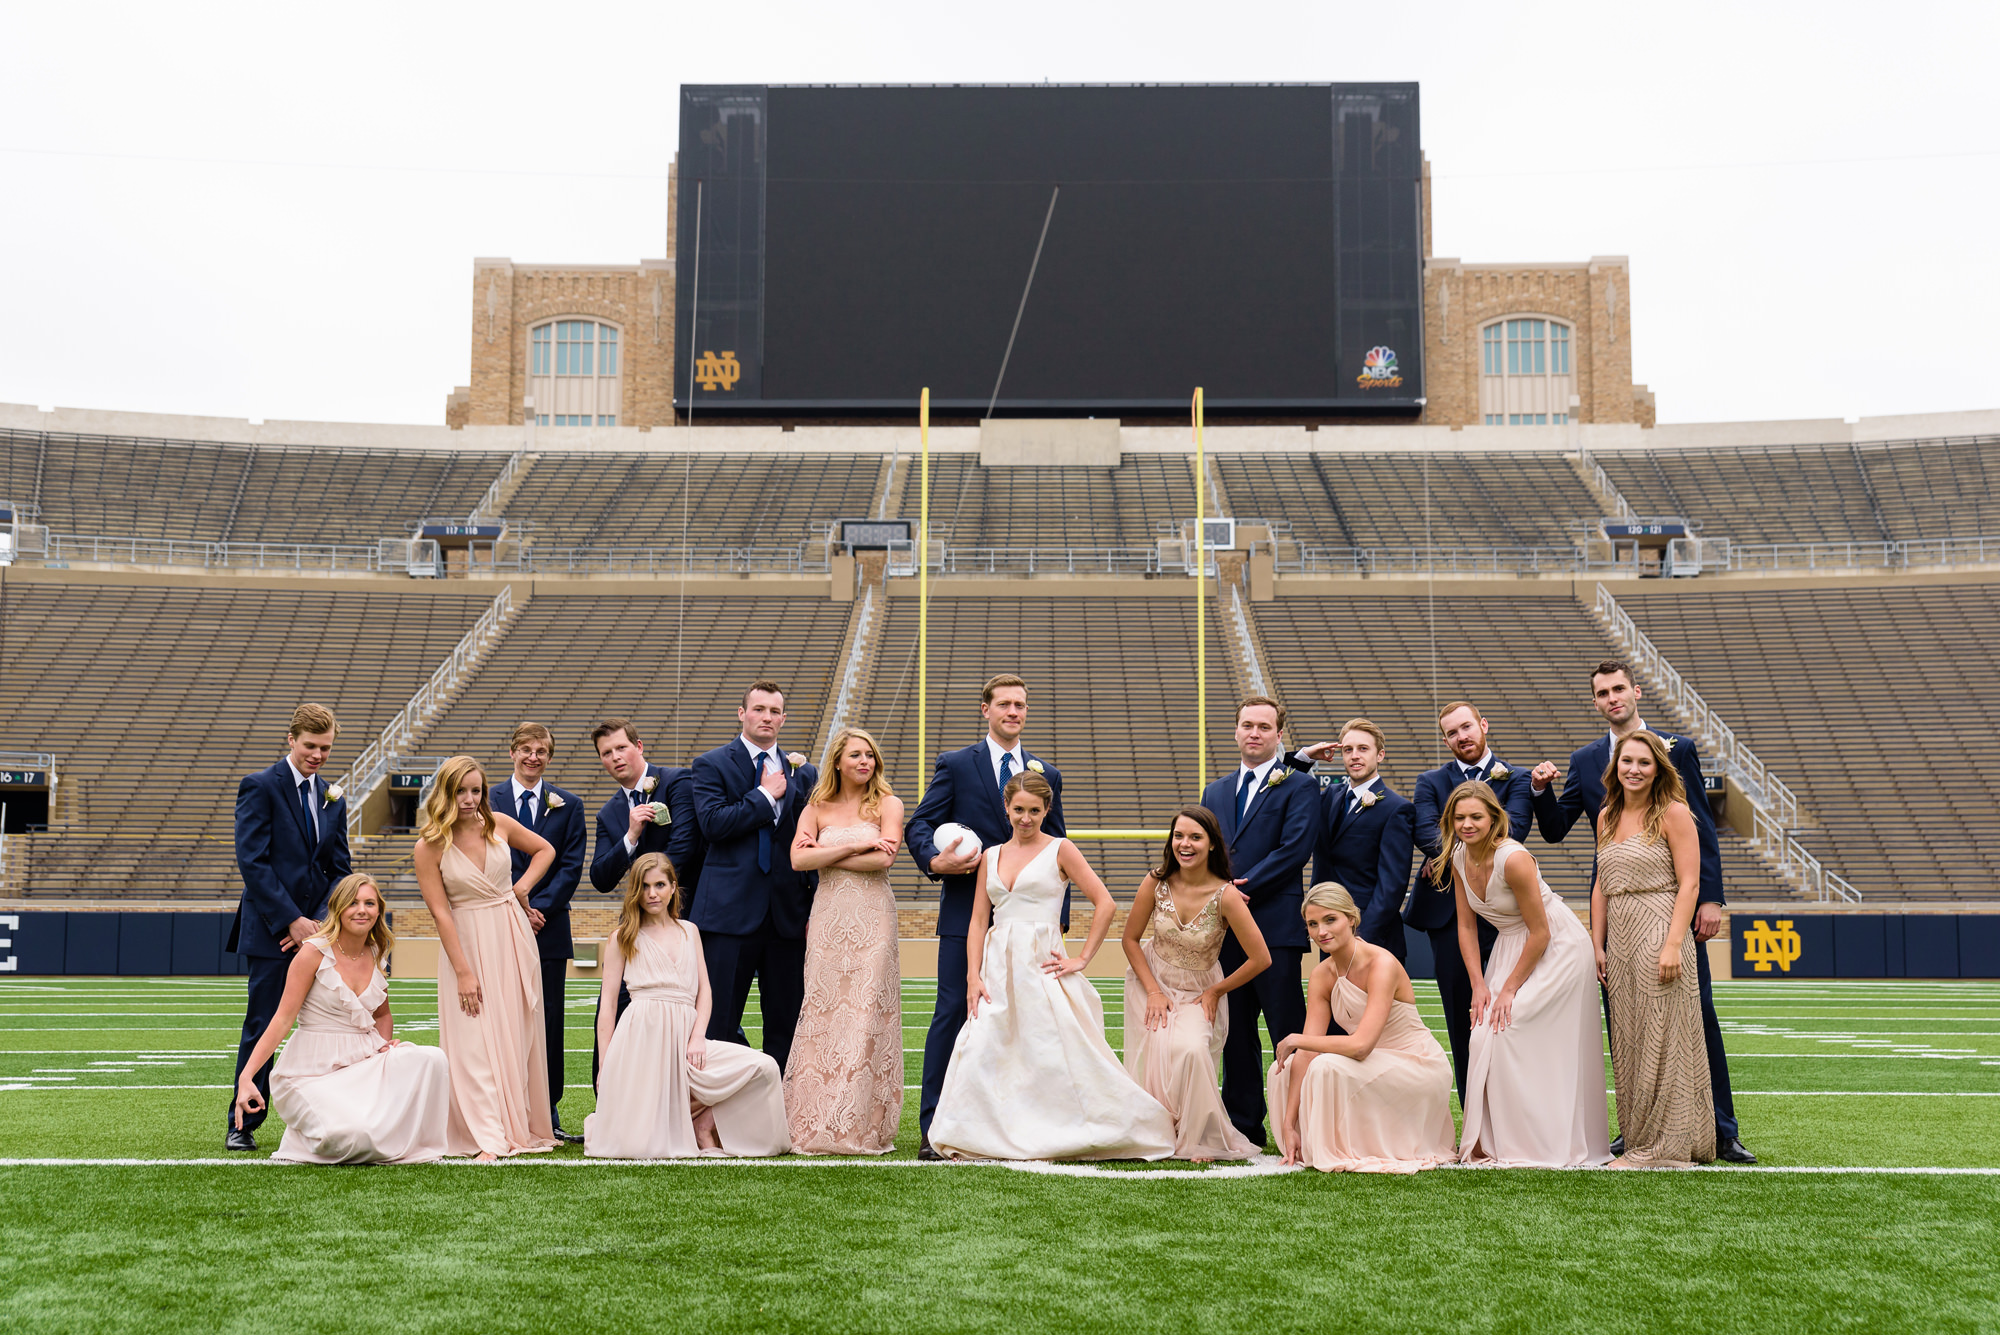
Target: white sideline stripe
point(1263, 1166)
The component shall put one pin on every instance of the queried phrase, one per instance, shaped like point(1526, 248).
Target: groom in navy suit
point(291, 846)
point(965, 790)
point(1433, 907)
point(556, 814)
point(1366, 832)
point(753, 907)
point(1616, 696)
point(629, 825)
point(1270, 816)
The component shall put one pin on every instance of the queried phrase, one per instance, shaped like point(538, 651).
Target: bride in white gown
point(1031, 1076)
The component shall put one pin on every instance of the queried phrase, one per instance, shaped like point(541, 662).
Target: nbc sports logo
point(1378, 369)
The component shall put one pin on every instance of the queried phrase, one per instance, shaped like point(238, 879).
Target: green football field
point(1875, 1108)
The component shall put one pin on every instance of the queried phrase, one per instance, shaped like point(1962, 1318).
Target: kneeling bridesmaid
point(347, 1091)
point(1378, 1098)
point(664, 1091)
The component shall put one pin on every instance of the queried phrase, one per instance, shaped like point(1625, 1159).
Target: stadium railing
point(371, 767)
point(1047, 560)
point(1775, 811)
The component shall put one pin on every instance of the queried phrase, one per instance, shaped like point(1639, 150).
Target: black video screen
point(858, 244)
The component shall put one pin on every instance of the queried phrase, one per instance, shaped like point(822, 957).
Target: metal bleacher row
point(734, 500)
point(1356, 500)
point(973, 506)
point(1892, 492)
point(1874, 705)
point(157, 700)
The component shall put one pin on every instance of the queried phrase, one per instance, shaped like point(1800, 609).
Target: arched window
point(1524, 372)
point(573, 373)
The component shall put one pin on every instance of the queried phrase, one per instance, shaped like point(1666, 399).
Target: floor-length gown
point(1659, 1061)
point(844, 1079)
point(1390, 1112)
point(1535, 1090)
point(1176, 1063)
point(342, 1098)
point(645, 1085)
point(1031, 1076)
point(499, 1057)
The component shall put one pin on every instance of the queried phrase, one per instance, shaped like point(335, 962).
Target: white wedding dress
point(1031, 1076)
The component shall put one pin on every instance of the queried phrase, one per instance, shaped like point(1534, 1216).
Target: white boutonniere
point(1035, 765)
point(1367, 797)
point(795, 758)
point(1278, 776)
point(1499, 771)
point(554, 801)
point(1670, 741)
point(333, 794)
point(649, 783)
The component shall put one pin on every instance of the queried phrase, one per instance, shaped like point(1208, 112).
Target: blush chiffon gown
point(1031, 1076)
point(646, 1086)
point(1535, 1090)
point(844, 1079)
point(499, 1057)
point(342, 1098)
point(1389, 1112)
point(1176, 1063)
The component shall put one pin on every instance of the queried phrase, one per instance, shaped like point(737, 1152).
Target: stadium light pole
point(923, 590)
point(1200, 599)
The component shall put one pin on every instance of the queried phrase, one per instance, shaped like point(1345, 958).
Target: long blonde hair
point(345, 894)
point(1482, 792)
point(440, 811)
point(632, 909)
point(1666, 789)
point(830, 781)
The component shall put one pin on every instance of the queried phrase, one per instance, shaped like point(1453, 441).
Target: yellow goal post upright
point(923, 593)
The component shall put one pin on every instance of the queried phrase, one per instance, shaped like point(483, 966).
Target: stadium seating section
point(1872, 705)
point(1848, 693)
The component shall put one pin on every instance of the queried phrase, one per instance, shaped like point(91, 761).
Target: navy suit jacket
point(681, 840)
point(735, 897)
point(1368, 852)
point(1269, 853)
point(562, 827)
point(284, 877)
point(1583, 796)
point(965, 791)
point(1431, 907)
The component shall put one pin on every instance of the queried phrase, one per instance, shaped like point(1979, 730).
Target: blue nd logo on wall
point(1864, 945)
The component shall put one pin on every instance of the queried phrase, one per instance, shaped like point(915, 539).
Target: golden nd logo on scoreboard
point(717, 372)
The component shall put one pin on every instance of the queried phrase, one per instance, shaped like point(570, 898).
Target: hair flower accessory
point(333, 794)
point(554, 801)
point(1499, 771)
point(649, 783)
point(1035, 765)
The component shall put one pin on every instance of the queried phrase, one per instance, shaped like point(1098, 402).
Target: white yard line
point(1262, 1166)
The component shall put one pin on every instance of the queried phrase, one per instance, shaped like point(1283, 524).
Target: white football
point(955, 838)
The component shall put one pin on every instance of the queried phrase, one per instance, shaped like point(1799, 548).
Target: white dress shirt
point(993, 754)
point(777, 762)
point(1262, 773)
point(1354, 791)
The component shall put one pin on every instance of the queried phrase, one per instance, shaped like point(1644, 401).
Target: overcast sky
point(271, 211)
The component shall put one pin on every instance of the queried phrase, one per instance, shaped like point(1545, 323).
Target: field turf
point(1896, 1083)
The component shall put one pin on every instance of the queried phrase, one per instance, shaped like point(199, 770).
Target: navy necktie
point(527, 808)
point(312, 816)
point(1243, 793)
point(1006, 770)
point(763, 831)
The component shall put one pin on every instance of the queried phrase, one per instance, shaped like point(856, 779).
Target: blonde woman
point(665, 1091)
point(844, 1077)
point(1376, 1097)
point(1648, 876)
point(489, 971)
point(347, 1091)
point(1534, 1077)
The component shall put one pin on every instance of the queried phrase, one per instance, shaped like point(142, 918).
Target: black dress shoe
point(566, 1137)
point(1618, 1147)
point(239, 1140)
point(1731, 1150)
point(927, 1153)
